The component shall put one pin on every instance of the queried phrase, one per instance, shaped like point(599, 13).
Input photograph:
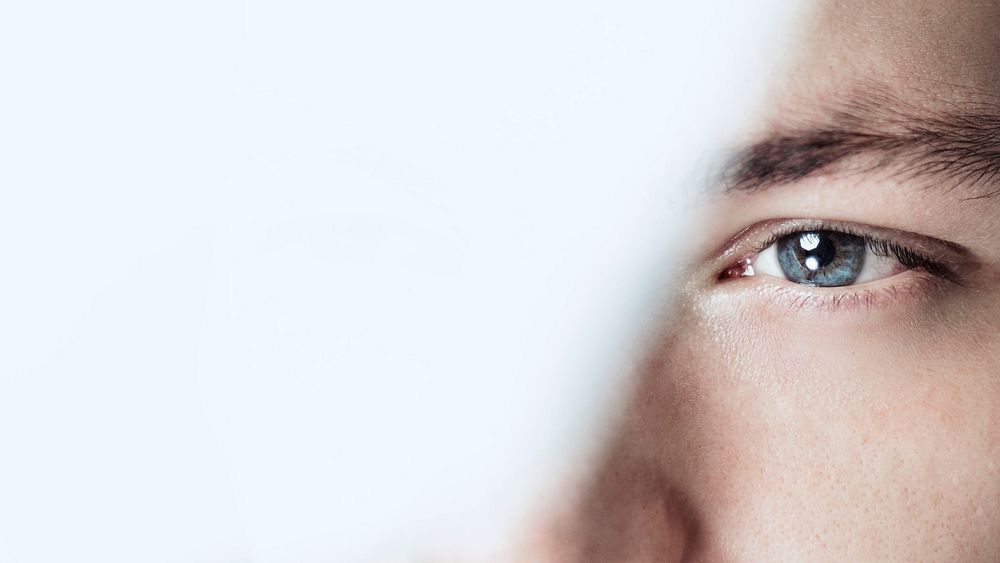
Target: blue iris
point(821, 258)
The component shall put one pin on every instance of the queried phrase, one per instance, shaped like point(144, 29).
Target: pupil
point(819, 251)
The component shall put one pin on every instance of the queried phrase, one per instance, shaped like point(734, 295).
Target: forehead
point(875, 86)
point(926, 52)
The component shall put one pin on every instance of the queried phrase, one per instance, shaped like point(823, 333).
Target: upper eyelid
point(764, 232)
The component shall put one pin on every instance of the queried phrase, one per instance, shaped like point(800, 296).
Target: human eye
point(825, 258)
point(837, 259)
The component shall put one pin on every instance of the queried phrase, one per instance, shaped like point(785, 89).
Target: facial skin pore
point(779, 422)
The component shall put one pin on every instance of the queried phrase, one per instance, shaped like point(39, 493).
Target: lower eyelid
point(786, 297)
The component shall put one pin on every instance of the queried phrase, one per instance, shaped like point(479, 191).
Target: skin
point(765, 427)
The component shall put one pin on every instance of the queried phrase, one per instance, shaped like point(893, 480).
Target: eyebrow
point(955, 148)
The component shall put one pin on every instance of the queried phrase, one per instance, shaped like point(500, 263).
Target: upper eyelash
point(906, 256)
point(911, 258)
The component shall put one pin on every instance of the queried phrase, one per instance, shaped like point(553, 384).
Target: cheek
point(787, 439)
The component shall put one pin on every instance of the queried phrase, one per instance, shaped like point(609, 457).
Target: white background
point(308, 281)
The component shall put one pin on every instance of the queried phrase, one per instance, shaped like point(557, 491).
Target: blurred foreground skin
point(767, 426)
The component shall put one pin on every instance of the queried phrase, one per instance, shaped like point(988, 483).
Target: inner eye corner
point(743, 268)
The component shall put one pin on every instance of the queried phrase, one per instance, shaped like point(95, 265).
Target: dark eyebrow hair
point(956, 148)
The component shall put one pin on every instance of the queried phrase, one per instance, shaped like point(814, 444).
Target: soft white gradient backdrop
point(307, 281)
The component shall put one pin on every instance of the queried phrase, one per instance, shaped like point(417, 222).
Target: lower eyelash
point(864, 299)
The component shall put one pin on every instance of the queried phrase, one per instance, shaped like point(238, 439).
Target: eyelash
point(906, 256)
